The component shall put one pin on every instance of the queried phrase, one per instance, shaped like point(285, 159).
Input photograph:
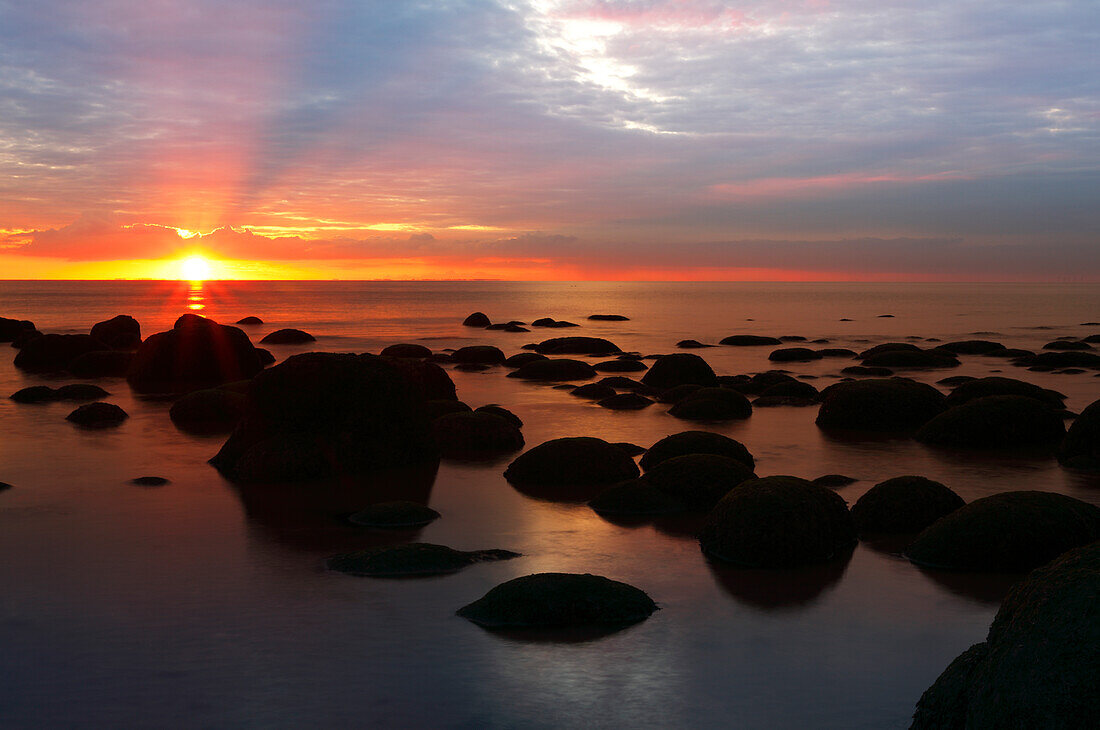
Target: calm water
point(198, 604)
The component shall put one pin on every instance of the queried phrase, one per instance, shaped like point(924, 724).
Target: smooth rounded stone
point(319, 415)
point(572, 461)
point(441, 407)
point(691, 344)
point(869, 372)
point(911, 359)
point(888, 404)
point(120, 332)
point(520, 359)
point(150, 481)
point(620, 382)
point(196, 353)
point(906, 504)
point(632, 449)
point(500, 412)
point(507, 327)
point(1007, 532)
point(886, 316)
point(34, 394)
point(560, 600)
point(10, 329)
point(995, 422)
point(608, 317)
point(102, 364)
point(791, 388)
point(478, 355)
point(625, 402)
point(406, 350)
point(778, 522)
point(593, 391)
point(430, 381)
point(266, 358)
point(678, 393)
point(794, 354)
point(889, 347)
point(836, 352)
point(1057, 360)
point(759, 382)
point(1091, 339)
point(696, 442)
point(792, 338)
point(1081, 448)
point(1067, 345)
point(554, 369)
point(475, 434)
point(698, 481)
point(954, 380)
point(971, 347)
point(1011, 352)
point(477, 319)
point(620, 366)
point(250, 320)
point(214, 410)
point(750, 340)
point(415, 558)
point(396, 514)
point(635, 497)
point(677, 369)
point(54, 353)
point(98, 415)
point(983, 387)
point(712, 404)
point(24, 337)
point(834, 481)
point(79, 392)
point(577, 346)
point(287, 336)
point(1039, 664)
point(553, 323)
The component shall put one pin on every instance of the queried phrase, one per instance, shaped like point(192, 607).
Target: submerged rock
point(593, 391)
point(893, 404)
point(995, 422)
point(696, 442)
point(417, 558)
point(1066, 345)
point(79, 392)
point(691, 344)
point(560, 600)
point(869, 372)
point(834, 481)
point(620, 366)
point(34, 394)
point(397, 514)
point(288, 336)
point(500, 412)
point(903, 505)
point(572, 461)
point(552, 323)
point(608, 317)
point(679, 368)
point(196, 353)
point(520, 359)
point(911, 359)
point(98, 415)
point(635, 497)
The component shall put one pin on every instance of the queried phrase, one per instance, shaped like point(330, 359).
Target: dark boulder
point(98, 415)
point(196, 353)
point(406, 350)
point(480, 354)
point(1081, 449)
point(1010, 353)
point(889, 347)
point(121, 332)
point(394, 515)
point(750, 340)
point(572, 461)
point(593, 391)
point(955, 380)
point(712, 404)
point(577, 346)
point(983, 387)
point(54, 353)
point(837, 352)
point(416, 558)
point(477, 319)
point(866, 371)
point(24, 337)
point(474, 434)
point(288, 336)
point(1067, 345)
point(520, 359)
point(34, 394)
point(552, 323)
point(442, 406)
point(792, 338)
point(608, 317)
point(554, 369)
point(905, 504)
point(697, 481)
point(794, 354)
point(971, 347)
point(214, 410)
point(79, 392)
point(625, 402)
point(1056, 360)
point(10, 329)
point(500, 412)
point(677, 394)
point(994, 422)
point(774, 401)
point(635, 497)
point(791, 388)
point(889, 404)
point(691, 344)
point(696, 442)
point(911, 359)
point(430, 381)
point(266, 358)
point(834, 481)
point(508, 327)
point(102, 364)
point(619, 382)
point(250, 320)
point(1007, 532)
point(632, 449)
point(149, 481)
point(677, 369)
point(559, 600)
point(778, 522)
point(620, 366)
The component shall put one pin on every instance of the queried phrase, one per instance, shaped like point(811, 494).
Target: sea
point(202, 604)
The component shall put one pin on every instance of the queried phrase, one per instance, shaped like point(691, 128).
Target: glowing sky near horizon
point(541, 139)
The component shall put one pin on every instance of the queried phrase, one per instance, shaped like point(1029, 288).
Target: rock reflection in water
point(778, 589)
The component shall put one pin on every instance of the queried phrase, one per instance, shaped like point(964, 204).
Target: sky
point(552, 139)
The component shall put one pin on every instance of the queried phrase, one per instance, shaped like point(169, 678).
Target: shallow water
point(199, 603)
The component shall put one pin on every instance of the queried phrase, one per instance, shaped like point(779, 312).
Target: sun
point(194, 268)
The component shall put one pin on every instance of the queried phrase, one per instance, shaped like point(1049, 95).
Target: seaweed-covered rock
point(625, 402)
point(994, 422)
point(679, 368)
point(554, 369)
point(1007, 532)
point(778, 522)
point(577, 346)
point(750, 340)
point(416, 558)
point(520, 359)
point(911, 359)
point(10, 329)
point(794, 354)
point(481, 354)
point(287, 336)
point(477, 319)
point(319, 415)
point(1081, 449)
point(712, 404)
point(98, 415)
point(572, 461)
point(696, 442)
point(396, 514)
point(493, 409)
point(982, 387)
point(406, 350)
point(1038, 666)
point(475, 434)
point(54, 353)
point(196, 353)
point(890, 404)
point(102, 364)
point(214, 410)
point(250, 320)
point(903, 505)
point(560, 600)
point(620, 366)
point(121, 332)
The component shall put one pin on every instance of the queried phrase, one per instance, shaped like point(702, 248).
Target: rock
point(794, 354)
point(750, 340)
point(54, 353)
point(250, 320)
point(717, 404)
point(288, 336)
point(1038, 666)
point(102, 364)
point(319, 415)
point(620, 366)
point(79, 392)
point(1067, 345)
point(593, 391)
point(577, 346)
point(441, 407)
point(396, 514)
point(955, 380)
point(791, 388)
point(983, 387)
point(10, 329)
point(889, 347)
point(1081, 449)
point(473, 434)
point(214, 410)
point(98, 415)
point(890, 404)
point(619, 382)
point(24, 337)
point(416, 558)
point(500, 412)
point(1010, 353)
point(34, 394)
point(869, 372)
point(995, 422)
point(635, 497)
point(836, 352)
point(548, 322)
point(833, 481)
point(560, 600)
point(792, 338)
point(608, 317)
point(196, 353)
point(406, 350)
point(554, 369)
point(1007, 532)
point(430, 381)
point(778, 522)
point(971, 347)
point(677, 369)
point(479, 354)
point(520, 359)
point(625, 402)
point(266, 358)
point(691, 344)
point(910, 359)
point(477, 319)
point(1055, 360)
point(905, 504)
point(775, 401)
point(149, 481)
point(697, 481)
point(696, 442)
point(508, 327)
point(572, 461)
point(677, 394)
point(121, 332)
point(632, 449)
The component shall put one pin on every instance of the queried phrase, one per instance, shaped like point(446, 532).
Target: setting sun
point(194, 268)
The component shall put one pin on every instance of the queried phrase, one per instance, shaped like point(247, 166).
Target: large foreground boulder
point(679, 368)
point(196, 353)
point(903, 505)
point(121, 332)
point(54, 353)
point(418, 558)
point(995, 422)
point(778, 522)
point(1081, 449)
point(879, 404)
point(1039, 666)
point(560, 600)
point(320, 415)
point(695, 442)
point(572, 461)
point(1007, 532)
